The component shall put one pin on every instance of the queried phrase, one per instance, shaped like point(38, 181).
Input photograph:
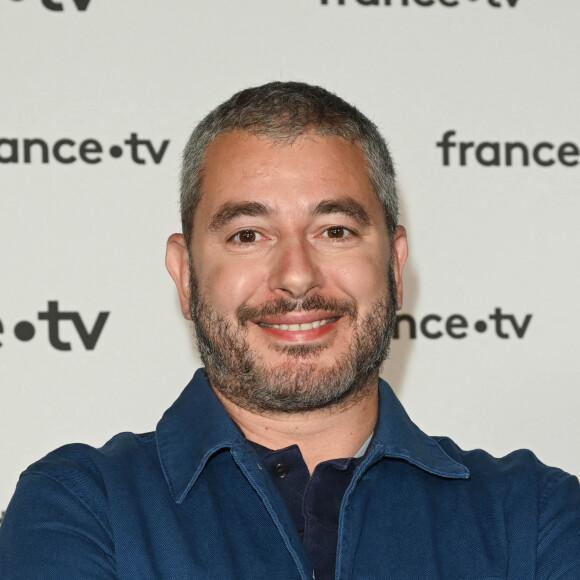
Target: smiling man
point(287, 457)
point(292, 285)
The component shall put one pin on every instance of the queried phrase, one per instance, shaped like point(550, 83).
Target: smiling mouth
point(302, 326)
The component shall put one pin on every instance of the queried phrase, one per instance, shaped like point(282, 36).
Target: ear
point(177, 264)
point(400, 251)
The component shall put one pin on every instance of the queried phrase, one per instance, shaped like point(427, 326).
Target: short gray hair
point(282, 111)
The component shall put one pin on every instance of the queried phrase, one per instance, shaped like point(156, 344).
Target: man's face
point(292, 294)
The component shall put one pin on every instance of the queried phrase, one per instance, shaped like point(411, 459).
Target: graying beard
point(236, 373)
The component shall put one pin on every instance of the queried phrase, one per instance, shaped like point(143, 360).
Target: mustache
point(281, 306)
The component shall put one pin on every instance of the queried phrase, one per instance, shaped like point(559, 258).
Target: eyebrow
point(230, 210)
point(349, 207)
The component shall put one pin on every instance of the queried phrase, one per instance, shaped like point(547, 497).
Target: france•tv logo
point(54, 317)
point(422, 3)
point(81, 5)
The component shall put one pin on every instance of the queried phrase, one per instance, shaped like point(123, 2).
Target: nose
point(295, 270)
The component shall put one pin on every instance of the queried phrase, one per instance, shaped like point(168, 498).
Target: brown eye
point(246, 237)
point(336, 232)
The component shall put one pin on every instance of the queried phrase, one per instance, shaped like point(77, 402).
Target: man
point(287, 457)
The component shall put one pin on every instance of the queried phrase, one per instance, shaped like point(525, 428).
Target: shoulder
point(61, 510)
point(520, 478)
point(63, 462)
point(521, 464)
point(73, 464)
point(84, 474)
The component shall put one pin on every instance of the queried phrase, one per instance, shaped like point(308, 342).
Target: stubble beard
point(300, 383)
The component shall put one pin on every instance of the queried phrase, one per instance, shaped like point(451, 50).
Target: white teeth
point(303, 326)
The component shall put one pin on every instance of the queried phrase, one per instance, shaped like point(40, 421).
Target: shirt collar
point(190, 432)
point(398, 437)
point(197, 425)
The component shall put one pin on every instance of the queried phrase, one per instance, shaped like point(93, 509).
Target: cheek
point(229, 285)
point(363, 279)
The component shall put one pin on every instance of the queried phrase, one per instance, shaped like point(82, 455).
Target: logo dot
point(24, 330)
point(116, 151)
point(480, 326)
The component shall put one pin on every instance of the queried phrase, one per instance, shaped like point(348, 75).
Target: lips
point(295, 327)
point(283, 311)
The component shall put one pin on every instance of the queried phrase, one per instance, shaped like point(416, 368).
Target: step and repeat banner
point(478, 100)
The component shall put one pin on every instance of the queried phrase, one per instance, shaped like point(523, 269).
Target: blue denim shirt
point(192, 501)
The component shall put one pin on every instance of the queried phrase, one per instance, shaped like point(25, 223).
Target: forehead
point(243, 166)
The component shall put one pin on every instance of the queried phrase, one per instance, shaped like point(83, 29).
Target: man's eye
point(246, 237)
point(337, 232)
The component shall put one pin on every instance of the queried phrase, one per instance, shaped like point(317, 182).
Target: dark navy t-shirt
point(313, 501)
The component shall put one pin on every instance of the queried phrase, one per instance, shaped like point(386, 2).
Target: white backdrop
point(86, 230)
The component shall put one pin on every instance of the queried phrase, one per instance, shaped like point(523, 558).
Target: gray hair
point(282, 111)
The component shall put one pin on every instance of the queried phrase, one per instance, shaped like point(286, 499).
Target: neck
point(328, 433)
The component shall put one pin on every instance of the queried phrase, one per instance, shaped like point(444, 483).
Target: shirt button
point(281, 470)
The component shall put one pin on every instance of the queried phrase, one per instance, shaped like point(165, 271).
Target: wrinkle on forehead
point(251, 173)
